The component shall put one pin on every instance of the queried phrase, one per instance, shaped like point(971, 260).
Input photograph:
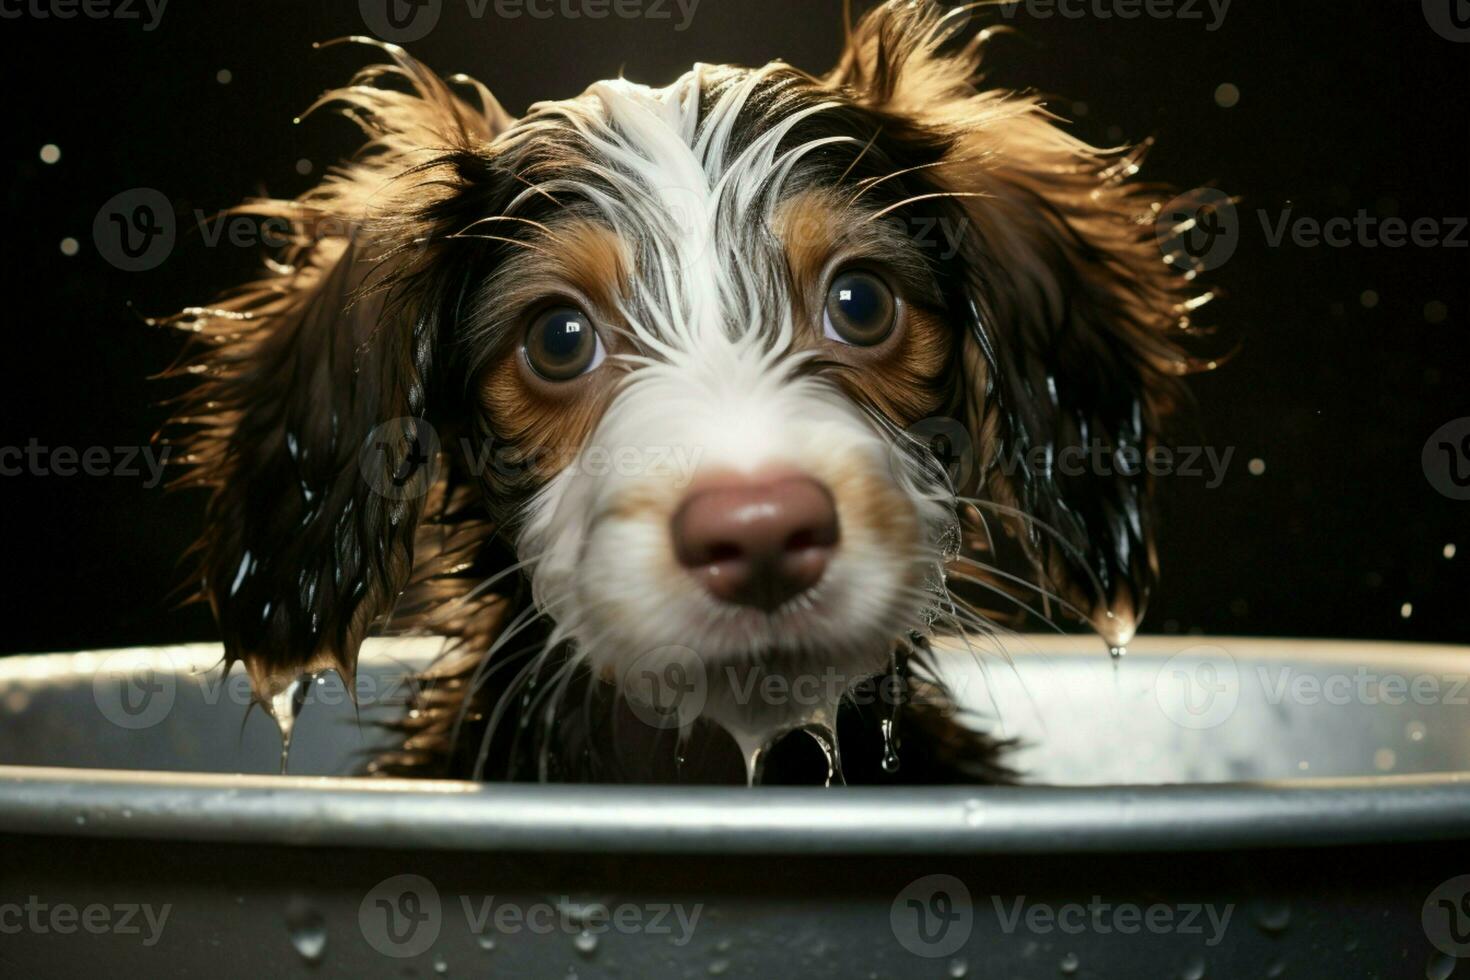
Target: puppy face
point(693, 324)
point(707, 348)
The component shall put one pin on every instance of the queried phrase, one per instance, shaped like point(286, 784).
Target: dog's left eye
point(562, 344)
point(861, 309)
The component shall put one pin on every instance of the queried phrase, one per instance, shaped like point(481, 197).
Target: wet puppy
point(635, 399)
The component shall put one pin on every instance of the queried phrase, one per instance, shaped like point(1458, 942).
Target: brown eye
point(861, 309)
point(561, 344)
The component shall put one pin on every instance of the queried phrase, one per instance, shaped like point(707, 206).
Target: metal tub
point(1201, 808)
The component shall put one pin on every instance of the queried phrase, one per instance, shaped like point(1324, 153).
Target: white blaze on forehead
point(699, 219)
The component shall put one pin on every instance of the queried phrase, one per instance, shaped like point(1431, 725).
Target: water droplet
point(718, 967)
point(958, 968)
point(285, 707)
point(487, 943)
point(1195, 970)
point(1070, 964)
point(1276, 969)
point(1416, 730)
point(890, 754)
point(441, 965)
point(50, 153)
point(1406, 610)
point(1117, 653)
point(1273, 917)
point(1439, 967)
point(307, 928)
point(586, 943)
point(1385, 759)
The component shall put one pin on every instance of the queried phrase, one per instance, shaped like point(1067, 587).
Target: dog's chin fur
point(698, 228)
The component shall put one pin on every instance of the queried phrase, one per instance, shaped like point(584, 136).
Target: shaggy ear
point(317, 386)
point(1074, 319)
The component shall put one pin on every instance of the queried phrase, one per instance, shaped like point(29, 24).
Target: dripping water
point(889, 725)
point(826, 740)
point(285, 708)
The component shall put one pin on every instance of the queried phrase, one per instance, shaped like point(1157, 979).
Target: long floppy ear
point(1074, 319)
point(317, 386)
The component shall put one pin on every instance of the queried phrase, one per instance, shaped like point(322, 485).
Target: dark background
point(1343, 106)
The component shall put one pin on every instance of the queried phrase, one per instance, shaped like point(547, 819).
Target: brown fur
point(1064, 321)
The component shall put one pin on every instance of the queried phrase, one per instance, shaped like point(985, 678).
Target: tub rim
point(452, 815)
point(395, 814)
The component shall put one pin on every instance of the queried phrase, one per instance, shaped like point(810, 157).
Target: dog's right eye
point(861, 309)
point(562, 344)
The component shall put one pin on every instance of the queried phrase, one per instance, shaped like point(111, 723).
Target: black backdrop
point(1351, 356)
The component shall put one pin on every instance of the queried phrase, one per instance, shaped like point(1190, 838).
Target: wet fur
point(1064, 325)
